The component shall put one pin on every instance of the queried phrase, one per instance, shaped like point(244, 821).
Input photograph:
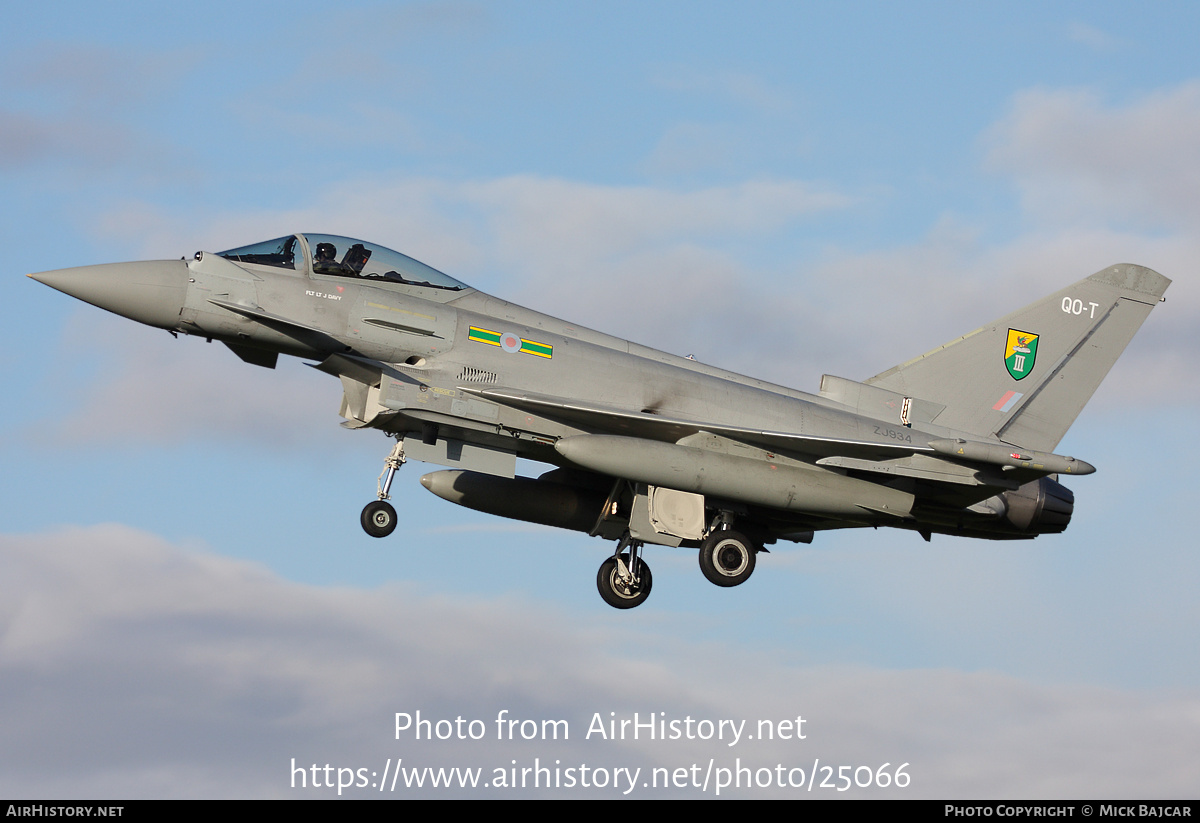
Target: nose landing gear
point(379, 517)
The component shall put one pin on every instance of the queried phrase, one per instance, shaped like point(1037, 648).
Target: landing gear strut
point(379, 517)
point(624, 580)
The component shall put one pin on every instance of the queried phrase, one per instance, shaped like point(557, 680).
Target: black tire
point(378, 518)
point(727, 558)
point(615, 592)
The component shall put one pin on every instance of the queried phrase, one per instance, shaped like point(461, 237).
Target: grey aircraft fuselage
point(653, 447)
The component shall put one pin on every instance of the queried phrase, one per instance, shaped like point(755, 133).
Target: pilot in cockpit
point(325, 259)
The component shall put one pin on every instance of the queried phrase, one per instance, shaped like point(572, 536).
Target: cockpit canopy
point(332, 254)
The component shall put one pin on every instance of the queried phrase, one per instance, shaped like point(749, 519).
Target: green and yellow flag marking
point(510, 342)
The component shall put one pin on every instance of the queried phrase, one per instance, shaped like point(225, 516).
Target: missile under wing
point(643, 447)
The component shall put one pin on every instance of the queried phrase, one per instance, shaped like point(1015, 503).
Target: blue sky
point(779, 189)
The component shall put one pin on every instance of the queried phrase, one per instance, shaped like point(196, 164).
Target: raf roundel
point(510, 342)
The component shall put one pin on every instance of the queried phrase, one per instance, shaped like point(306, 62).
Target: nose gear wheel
point(378, 518)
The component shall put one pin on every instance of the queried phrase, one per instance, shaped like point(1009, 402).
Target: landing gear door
point(666, 516)
point(675, 512)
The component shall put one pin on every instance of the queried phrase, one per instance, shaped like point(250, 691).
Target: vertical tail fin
point(1025, 377)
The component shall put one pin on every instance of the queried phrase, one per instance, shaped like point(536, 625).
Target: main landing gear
point(379, 516)
point(624, 580)
point(727, 558)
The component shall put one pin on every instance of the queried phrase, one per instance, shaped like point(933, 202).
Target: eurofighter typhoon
point(648, 447)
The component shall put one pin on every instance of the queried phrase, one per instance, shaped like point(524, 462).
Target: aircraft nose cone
point(151, 292)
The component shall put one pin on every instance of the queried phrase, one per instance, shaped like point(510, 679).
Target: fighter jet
point(648, 447)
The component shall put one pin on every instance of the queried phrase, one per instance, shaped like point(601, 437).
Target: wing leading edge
point(606, 419)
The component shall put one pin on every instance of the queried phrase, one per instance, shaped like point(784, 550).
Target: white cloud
point(1078, 159)
point(871, 311)
point(133, 668)
point(145, 388)
point(563, 221)
point(527, 219)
